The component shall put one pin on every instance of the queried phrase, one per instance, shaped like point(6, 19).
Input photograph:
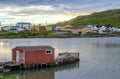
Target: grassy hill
point(99, 18)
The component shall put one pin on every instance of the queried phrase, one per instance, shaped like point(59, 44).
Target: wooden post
point(20, 67)
point(41, 65)
point(24, 66)
point(28, 66)
point(37, 66)
point(46, 65)
point(33, 66)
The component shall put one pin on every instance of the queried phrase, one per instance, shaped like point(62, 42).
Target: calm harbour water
point(100, 58)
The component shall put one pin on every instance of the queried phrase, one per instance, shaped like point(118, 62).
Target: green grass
point(100, 18)
point(25, 34)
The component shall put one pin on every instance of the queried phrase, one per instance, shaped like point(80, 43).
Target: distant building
point(24, 25)
point(35, 28)
point(102, 29)
point(57, 28)
point(42, 28)
point(118, 30)
point(13, 28)
point(78, 30)
point(48, 28)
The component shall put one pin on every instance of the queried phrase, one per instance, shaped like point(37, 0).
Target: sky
point(50, 11)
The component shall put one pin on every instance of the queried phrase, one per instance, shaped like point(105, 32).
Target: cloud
point(55, 8)
point(51, 2)
point(36, 10)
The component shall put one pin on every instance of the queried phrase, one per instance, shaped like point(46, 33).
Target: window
point(48, 51)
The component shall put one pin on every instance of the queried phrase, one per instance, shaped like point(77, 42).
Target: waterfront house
point(24, 25)
point(39, 28)
point(48, 28)
point(78, 30)
point(99, 29)
point(118, 30)
point(35, 28)
point(33, 54)
point(42, 28)
point(57, 28)
point(103, 29)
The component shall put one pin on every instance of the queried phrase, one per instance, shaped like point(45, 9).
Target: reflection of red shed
point(42, 28)
point(33, 54)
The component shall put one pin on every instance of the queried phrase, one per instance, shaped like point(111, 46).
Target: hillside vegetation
point(99, 18)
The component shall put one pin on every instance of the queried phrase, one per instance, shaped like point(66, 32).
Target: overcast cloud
point(24, 9)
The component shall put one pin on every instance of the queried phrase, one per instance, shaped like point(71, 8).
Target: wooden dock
point(62, 59)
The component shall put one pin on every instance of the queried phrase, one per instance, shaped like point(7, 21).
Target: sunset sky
point(50, 11)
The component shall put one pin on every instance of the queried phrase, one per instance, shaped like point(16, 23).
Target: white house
point(57, 28)
point(24, 25)
point(103, 29)
point(114, 29)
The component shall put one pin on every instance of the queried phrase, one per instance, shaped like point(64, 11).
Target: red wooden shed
point(42, 28)
point(33, 54)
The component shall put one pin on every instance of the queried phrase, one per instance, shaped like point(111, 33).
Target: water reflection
point(99, 57)
point(106, 45)
point(38, 73)
point(3, 43)
point(30, 75)
point(5, 51)
point(112, 45)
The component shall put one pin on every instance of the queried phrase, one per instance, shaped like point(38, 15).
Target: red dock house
point(33, 54)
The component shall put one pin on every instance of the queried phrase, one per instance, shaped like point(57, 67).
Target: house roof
point(23, 23)
point(80, 27)
point(33, 48)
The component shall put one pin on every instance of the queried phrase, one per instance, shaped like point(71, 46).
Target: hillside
point(99, 18)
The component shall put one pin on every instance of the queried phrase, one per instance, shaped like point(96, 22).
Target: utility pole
point(46, 23)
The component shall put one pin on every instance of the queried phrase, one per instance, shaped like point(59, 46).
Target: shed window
point(48, 51)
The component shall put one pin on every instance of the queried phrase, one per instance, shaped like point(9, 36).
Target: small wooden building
point(33, 54)
point(42, 28)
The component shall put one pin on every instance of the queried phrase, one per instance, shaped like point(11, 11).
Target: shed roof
point(32, 48)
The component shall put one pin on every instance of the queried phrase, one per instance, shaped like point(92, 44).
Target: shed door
point(17, 56)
